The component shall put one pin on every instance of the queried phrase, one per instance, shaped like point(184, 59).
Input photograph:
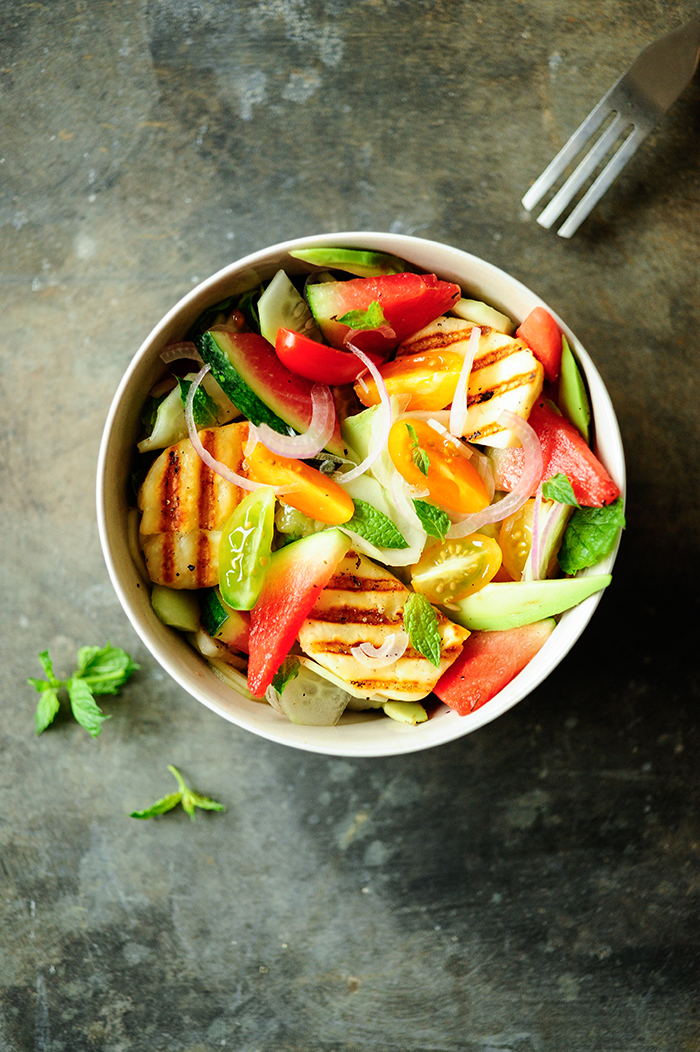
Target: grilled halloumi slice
point(505, 375)
point(363, 602)
point(184, 505)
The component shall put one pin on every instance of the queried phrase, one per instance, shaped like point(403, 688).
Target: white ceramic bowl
point(364, 736)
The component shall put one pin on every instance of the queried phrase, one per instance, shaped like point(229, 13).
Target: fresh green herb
point(375, 526)
point(421, 623)
point(288, 670)
point(559, 488)
point(434, 521)
point(590, 535)
point(420, 457)
point(204, 408)
point(101, 670)
point(371, 318)
point(186, 796)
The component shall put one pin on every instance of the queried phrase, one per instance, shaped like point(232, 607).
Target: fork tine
point(567, 154)
point(583, 172)
point(604, 180)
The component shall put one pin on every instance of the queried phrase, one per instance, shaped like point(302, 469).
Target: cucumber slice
point(361, 263)
point(282, 306)
point(176, 607)
point(482, 314)
point(309, 700)
point(222, 622)
point(509, 604)
point(170, 426)
point(573, 396)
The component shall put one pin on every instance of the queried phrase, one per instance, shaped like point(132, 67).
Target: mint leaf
point(105, 669)
point(204, 408)
point(85, 709)
point(166, 803)
point(375, 526)
point(559, 488)
point(421, 623)
point(371, 318)
point(590, 535)
point(46, 708)
point(101, 670)
point(434, 521)
point(420, 457)
point(186, 797)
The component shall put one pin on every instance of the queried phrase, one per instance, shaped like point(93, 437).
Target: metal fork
point(637, 100)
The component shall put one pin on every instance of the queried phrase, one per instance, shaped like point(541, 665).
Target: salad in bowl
point(360, 493)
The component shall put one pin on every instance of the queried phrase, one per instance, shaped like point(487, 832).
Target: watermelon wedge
point(408, 303)
point(541, 333)
point(247, 369)
point(488, 662)
point(563, 450)
point(297, 575)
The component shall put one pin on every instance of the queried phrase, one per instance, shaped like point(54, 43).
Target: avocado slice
point(361, 263)
point(573, 396)
point(509, 604)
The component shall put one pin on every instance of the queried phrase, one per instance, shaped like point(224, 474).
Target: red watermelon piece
point(541, 333)
point(408, 302)
point(488, 662)
point(563, 451)
point(297, 575)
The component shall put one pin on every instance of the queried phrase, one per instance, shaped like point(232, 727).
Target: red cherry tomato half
point(316, 361)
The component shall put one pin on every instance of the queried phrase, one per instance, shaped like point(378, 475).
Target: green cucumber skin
point(233, 385)
point(212, 613)
point(503, 605)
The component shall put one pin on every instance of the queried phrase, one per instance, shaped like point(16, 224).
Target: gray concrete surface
point(533, 887)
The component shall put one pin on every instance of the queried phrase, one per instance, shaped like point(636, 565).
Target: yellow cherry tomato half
point(429, 379)
point(314, 493)
point(515, 539)
point(428, 460)
point(451, 570)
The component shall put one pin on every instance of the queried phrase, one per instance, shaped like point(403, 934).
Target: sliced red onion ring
point(204, 454)
point(184, 349)
point(460, 406)
point(391, 650)
point(319, 434)
point(527, 484)
point(536, 544)
point(380, 429)
point(398, 490)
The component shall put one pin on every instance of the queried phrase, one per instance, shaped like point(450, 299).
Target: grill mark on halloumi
point(170, 500)
point(505, 375)
point(184, 505)
point(368, 610)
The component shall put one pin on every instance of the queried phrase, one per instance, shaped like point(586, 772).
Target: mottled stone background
point(533, 887)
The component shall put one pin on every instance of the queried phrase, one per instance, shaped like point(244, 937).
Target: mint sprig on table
point(185, 796)
point(100, 670)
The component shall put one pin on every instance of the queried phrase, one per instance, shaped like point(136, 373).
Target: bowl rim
point(189, 669)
